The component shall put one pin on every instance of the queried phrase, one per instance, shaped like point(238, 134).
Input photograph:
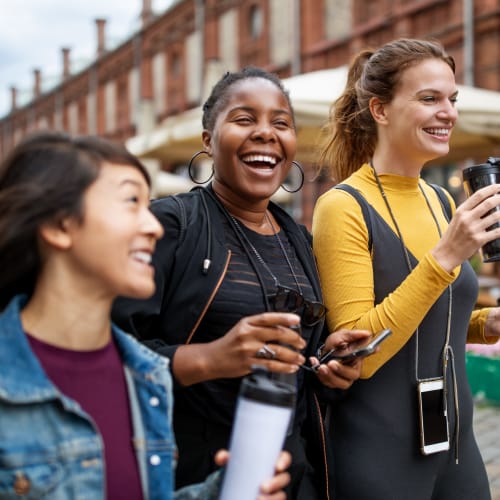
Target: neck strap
point(447, 351)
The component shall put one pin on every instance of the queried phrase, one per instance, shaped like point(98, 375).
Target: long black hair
point(43, 180)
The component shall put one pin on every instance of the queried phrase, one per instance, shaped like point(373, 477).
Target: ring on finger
point(265, 352)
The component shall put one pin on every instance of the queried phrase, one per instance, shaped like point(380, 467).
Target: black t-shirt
point(240, 295)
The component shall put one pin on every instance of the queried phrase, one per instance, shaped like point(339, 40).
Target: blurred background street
point(487, 429)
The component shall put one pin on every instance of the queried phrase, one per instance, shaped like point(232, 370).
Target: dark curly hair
point(220, 92)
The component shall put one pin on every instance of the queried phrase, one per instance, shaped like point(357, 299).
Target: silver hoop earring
point(301, 170)
point(190, 173)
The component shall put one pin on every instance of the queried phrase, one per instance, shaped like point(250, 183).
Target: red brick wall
point(374, 22)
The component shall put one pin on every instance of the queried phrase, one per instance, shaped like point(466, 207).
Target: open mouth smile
point(261, 160)
point(442, 133)
point(142, 256)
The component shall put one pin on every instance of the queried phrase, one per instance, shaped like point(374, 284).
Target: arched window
point(256, 21)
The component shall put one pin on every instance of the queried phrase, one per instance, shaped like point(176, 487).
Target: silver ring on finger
point(265, 352)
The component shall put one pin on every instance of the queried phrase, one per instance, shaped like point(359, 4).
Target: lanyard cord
point(447, 352)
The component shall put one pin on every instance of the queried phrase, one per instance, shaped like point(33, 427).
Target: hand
point(492, 324)
point(271, 489)
point(335, 374)
point(467, 231)
point(234, 354)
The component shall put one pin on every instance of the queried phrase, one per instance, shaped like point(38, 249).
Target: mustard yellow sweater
point(340, 241)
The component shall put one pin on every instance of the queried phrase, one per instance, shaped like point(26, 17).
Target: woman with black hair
point(235, 275)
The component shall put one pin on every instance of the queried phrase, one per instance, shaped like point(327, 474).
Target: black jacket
point(190, 263)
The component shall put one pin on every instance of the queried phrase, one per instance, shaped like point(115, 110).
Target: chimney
point(13, 98)
point(37, 87)
point(101, 36)
point(147, 13)
point(66, 64)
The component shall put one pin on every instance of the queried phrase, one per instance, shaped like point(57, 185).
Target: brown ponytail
point(348, 130)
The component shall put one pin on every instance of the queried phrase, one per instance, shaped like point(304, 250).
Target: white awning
point(477, 133)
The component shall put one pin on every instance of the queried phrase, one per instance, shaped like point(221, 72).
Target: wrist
point(191, 364)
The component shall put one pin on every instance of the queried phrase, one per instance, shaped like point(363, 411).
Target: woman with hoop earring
point(236, 279)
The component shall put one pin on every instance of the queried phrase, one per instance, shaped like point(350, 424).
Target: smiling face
point(415, 127)
point(111, 249)
point(253, 142)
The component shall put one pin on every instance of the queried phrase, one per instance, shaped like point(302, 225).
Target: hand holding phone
point(355, 350)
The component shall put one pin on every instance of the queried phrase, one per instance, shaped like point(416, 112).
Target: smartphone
point(358, 349)
point(434, 434)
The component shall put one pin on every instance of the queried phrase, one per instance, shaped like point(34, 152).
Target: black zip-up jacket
point(190, 262)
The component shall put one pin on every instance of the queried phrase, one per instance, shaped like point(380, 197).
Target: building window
point(256, 21)
point(122, 105)
point(176, 65)
point(338, 19)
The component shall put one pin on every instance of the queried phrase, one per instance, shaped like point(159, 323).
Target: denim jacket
point(50, 448)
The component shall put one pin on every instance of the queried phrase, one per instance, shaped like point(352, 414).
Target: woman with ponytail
point(392, 253)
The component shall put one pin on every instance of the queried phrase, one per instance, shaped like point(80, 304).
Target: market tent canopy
point(477, 133)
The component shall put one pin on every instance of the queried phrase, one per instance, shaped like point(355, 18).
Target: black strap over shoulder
point(443, 199)
point(445, 202)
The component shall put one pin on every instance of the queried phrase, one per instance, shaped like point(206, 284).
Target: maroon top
point(95, 379)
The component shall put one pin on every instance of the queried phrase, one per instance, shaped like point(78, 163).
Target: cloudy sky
point(32, 33)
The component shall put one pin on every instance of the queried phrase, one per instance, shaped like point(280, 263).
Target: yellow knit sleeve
point(475, 334)
point(340, 241)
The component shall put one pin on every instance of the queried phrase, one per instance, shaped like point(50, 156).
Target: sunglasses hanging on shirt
point(289, 300)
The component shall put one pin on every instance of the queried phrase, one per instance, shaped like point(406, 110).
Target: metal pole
point(296, 62)
point(200, 27)
point(468, 7)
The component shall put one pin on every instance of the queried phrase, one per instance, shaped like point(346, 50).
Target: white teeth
point(260, 159)
point(142, 256)
point(438, 131)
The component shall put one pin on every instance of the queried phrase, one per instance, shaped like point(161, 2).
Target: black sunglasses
point(289, 300)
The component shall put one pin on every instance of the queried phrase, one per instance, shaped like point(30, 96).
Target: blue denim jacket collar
point(23, 379)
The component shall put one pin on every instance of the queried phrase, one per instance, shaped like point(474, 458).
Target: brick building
point(166, 68)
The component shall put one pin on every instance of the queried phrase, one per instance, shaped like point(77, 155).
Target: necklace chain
point(259, 257)
point(285, 253)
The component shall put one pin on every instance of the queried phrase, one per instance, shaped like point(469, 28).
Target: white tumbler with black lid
point(263, 412)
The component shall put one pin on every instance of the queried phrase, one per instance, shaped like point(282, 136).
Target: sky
point(32, 33)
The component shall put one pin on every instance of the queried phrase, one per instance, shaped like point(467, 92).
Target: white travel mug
point(263, 413)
